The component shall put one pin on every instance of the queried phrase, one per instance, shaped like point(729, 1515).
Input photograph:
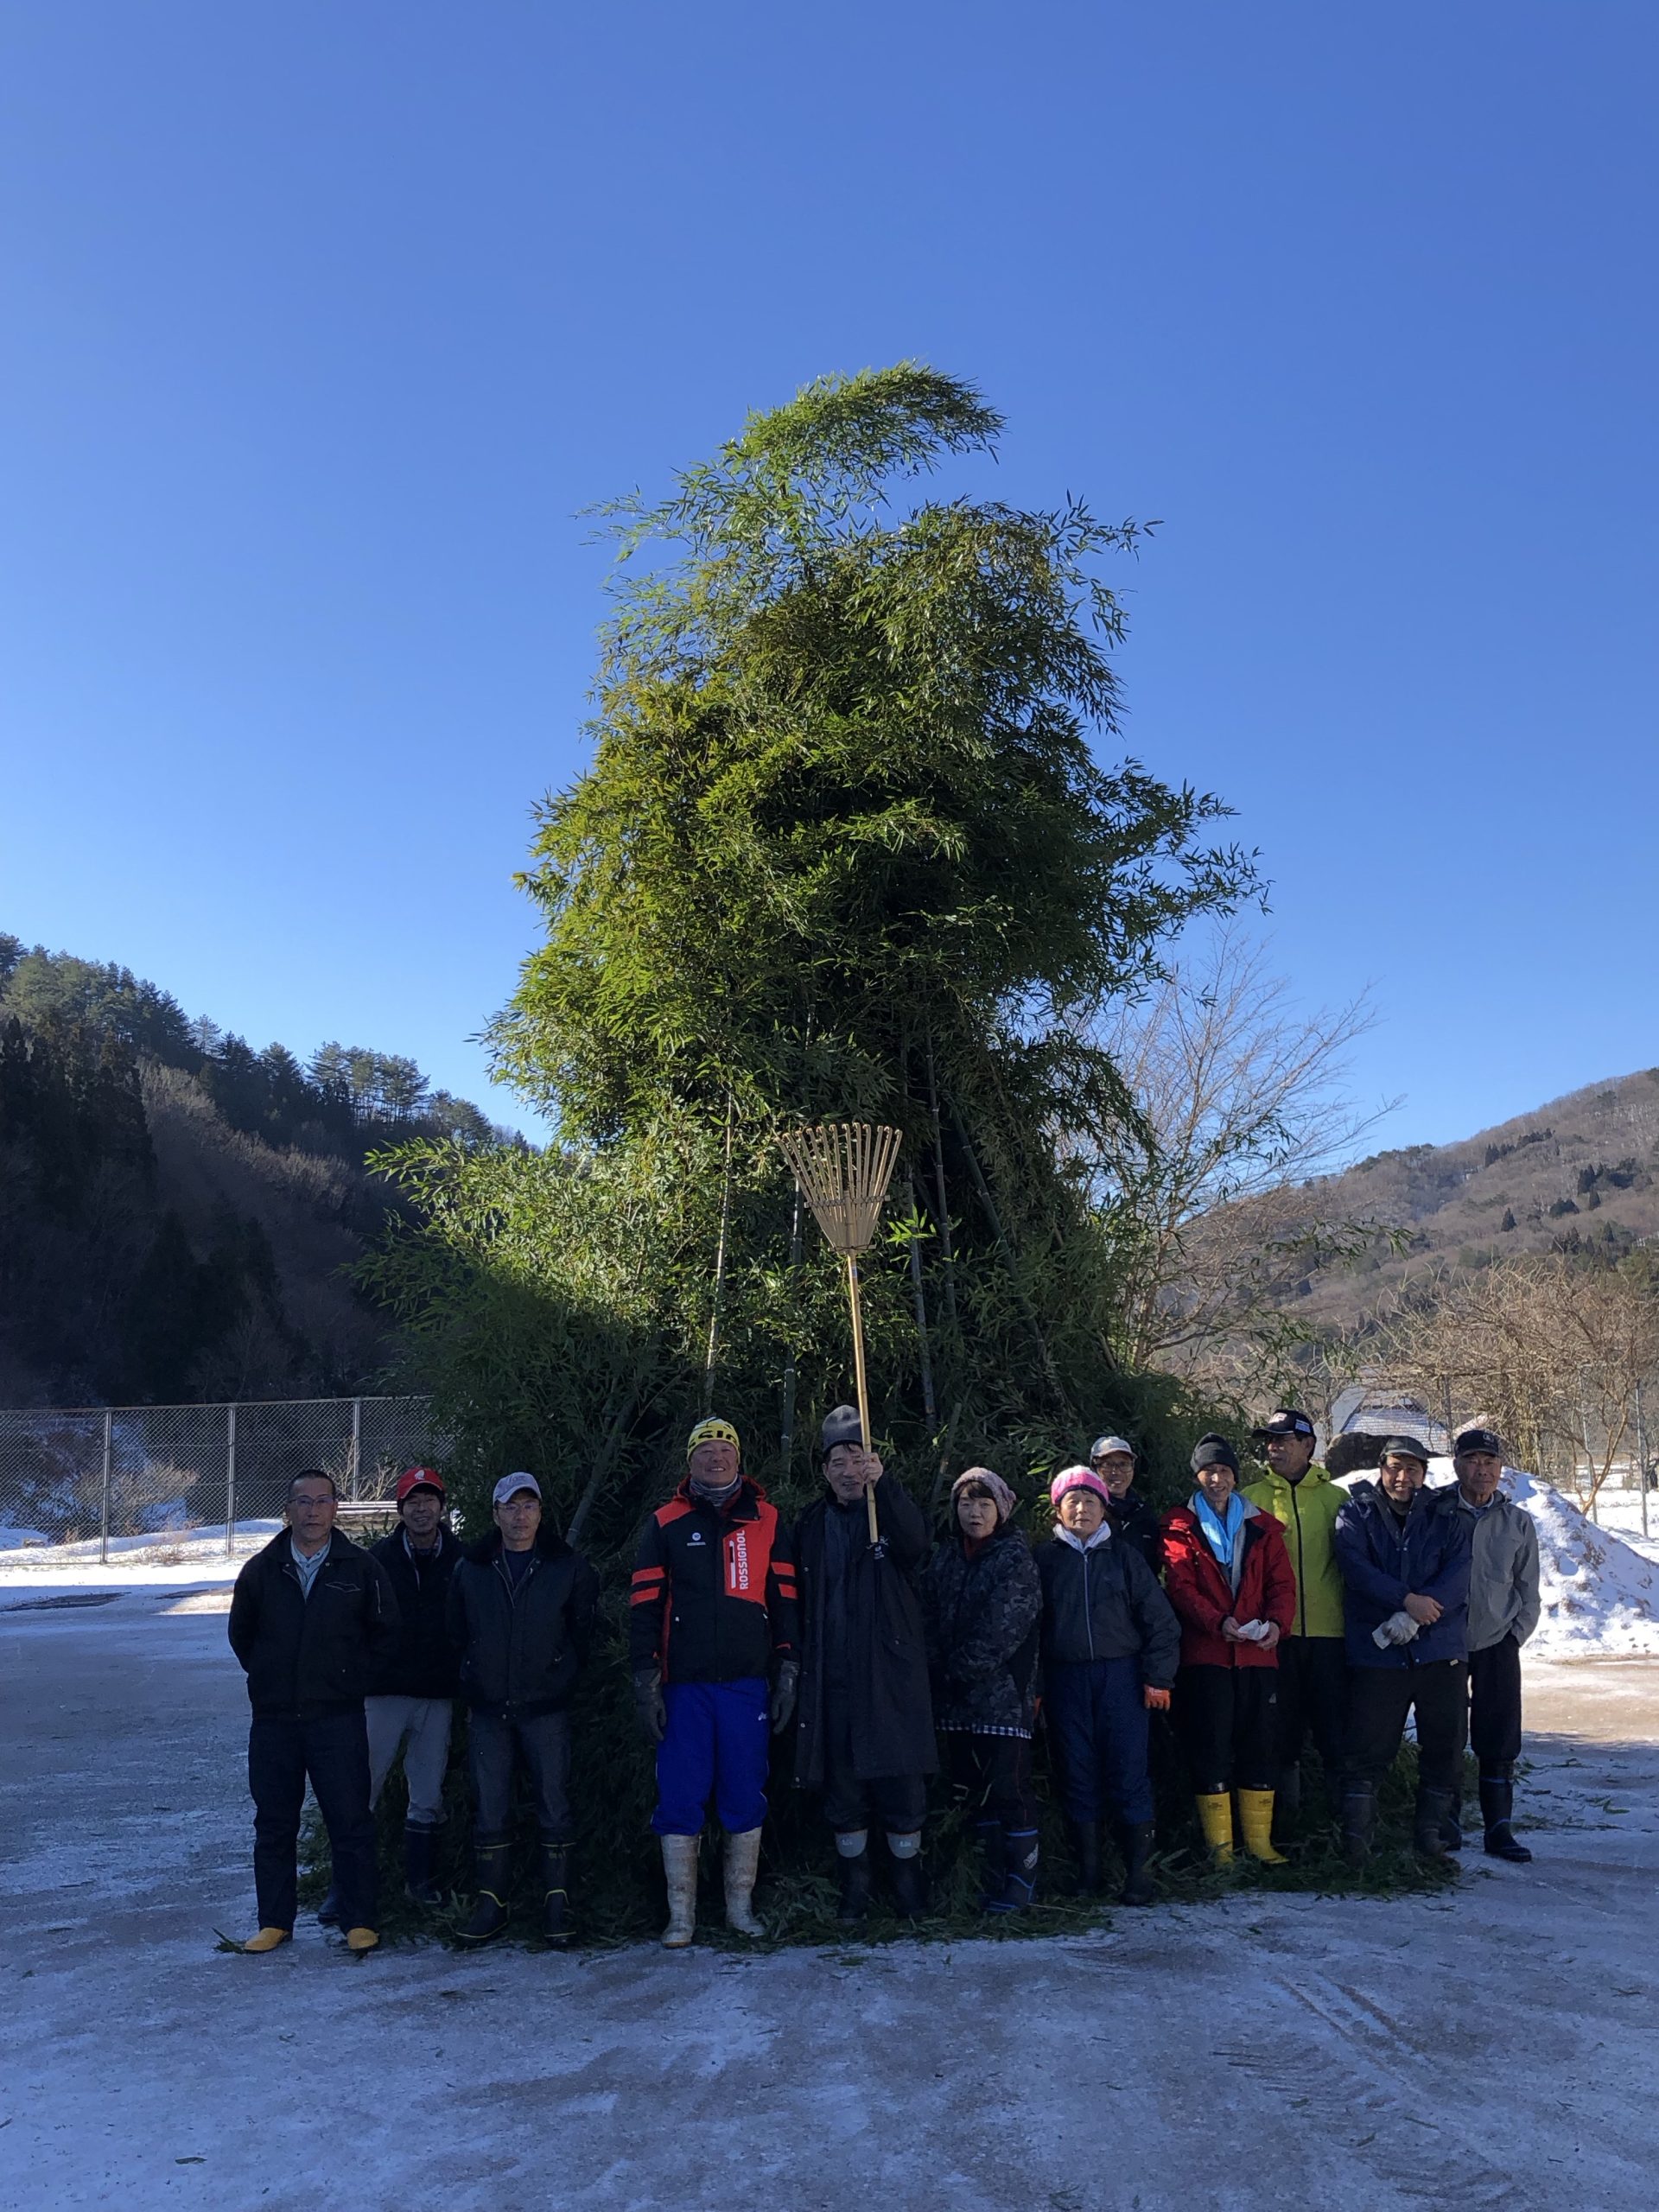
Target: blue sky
point(321, 322)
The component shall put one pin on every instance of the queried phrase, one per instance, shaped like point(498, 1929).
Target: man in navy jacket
point(1404, 1554)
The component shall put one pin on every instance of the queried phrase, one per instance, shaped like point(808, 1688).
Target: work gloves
point(1399, 1628)
point(783, 1694)
point(648, 1704)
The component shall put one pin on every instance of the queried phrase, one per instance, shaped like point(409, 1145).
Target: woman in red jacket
point(1229, 1579)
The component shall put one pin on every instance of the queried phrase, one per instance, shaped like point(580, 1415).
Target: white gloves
point(1399, 1628)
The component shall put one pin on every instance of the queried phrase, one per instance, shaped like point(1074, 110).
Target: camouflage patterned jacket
point(982, 1613)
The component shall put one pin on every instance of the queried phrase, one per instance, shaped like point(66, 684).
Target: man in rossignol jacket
point(864, 1720)
point(1312, 1658)
point(312, 1615)
point(1133, 1519)
point(1504, 1608)
point(521, 1616)
point(409, 1706)
point(1404, 1554)
point(712, 1622)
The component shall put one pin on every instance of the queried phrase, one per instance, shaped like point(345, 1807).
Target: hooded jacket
point(714, 1598)
point(1203, 1597)
point(521, 1648)
point(881, 1638)
point(1385, 1560)
point(1308, 1509)
point(317, 1654)
point(421, 1662)
point(1504, 1574)
point(981, 1610)
point(1100, 1600)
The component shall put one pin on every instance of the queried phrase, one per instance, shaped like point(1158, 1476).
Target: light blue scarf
point(1221, 1535)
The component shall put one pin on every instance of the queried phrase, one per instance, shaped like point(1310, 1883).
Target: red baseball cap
point(419, 1478)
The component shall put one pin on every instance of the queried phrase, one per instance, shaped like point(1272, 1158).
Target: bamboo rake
point(843, 1169)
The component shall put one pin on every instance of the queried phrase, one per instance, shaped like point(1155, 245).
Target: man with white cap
point(715, 1648)
point(521, 1614)
point(1131, 1518)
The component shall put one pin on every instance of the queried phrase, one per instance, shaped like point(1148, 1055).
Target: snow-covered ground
point(1480, 2047)
point(196, 1555)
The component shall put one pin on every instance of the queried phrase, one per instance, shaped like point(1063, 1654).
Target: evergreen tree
point(845, 848)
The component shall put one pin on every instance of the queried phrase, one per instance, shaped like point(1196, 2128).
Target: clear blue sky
point(322, 321)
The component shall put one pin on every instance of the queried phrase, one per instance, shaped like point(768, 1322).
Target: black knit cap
point(1214, 1451)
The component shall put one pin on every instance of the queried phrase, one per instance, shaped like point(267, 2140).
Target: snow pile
point(1600, 1597)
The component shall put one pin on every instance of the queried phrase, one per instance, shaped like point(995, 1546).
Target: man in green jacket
point(1312, 1666)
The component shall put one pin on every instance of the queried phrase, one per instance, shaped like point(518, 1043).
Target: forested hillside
point(178, 1211)
point(1580, 1175)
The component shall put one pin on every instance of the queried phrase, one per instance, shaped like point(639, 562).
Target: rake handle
point(858, 1383)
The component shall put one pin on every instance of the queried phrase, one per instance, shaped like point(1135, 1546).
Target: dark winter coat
point(714, 1597)
point(522, 1648)
point(1385, 1560)
point(423, 1661)
point(881, 1635)
point(1204, 1597)
point(1135, 1520)
point(317, 1654)
point(981, 1614)
point(1103, 1602)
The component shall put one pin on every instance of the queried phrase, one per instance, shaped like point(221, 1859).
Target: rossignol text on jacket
point(714, 1597)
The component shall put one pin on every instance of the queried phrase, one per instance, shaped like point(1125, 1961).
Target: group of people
point(1255, 1617)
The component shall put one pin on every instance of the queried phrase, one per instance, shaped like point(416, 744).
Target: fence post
point(230, 1481)
point(357, 1446)
point(104, 1509)
point(1642, 1460)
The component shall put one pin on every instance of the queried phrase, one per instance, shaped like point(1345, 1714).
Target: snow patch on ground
point(169, 1557)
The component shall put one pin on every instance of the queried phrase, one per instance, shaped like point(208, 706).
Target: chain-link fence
point(104, 1476)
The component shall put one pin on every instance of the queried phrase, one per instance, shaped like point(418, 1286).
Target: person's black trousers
point(1379, 1698)
point(332, 1749)
point(897, 1800)
point(1495, 1707)
point(1313, 1699)
point(543, 1742)
point(994, 1774)
point(1227, 1718)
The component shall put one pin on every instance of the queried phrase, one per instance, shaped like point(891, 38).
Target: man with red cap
point(409, 1706)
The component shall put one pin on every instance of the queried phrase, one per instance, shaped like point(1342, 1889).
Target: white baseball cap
point(510, 1485)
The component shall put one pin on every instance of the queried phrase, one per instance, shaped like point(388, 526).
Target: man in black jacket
point(521, 1616)
point(864, 1723)
point(1132, 1518)
point(409, 1706)
point(311, 1616)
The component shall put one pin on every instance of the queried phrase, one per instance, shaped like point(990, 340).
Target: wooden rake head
point(843, 1169)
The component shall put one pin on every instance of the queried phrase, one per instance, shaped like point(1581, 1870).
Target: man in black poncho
point(864, 1726)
